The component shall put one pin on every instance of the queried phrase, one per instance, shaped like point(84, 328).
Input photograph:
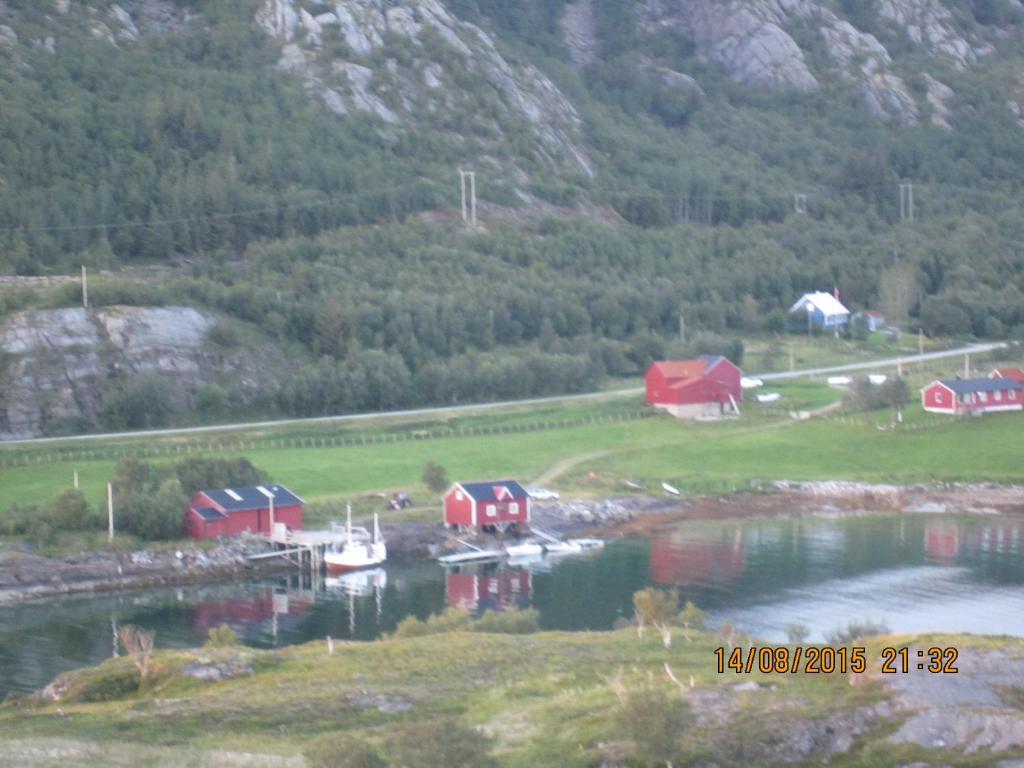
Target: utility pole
point(468, 216)
point(85, 288)
point(76, 479)
point(967, 366)
point(907, 202)
point(110, 511)
point(792, 361)
point(682, 328)
point(920, 347)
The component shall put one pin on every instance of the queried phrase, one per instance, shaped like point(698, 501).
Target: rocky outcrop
point(56, 366)
point(338, 54)
point(930, 24)
point(580, 32)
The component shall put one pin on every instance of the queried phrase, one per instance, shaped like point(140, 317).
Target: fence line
point(336, 441)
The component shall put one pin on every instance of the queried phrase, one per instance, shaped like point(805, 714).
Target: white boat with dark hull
point(359, 550)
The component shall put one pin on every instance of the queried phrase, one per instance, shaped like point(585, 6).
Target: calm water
point(911, 573)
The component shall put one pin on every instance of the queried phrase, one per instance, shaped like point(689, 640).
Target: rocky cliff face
point(56, 366)
point(405, 62)
point(756, 43)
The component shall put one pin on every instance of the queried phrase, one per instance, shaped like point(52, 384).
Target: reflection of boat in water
point(359, 583)
point(359, 550)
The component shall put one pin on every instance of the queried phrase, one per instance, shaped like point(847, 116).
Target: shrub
point(221, 637)
point(655, 720)
point(450, 620)
point(691, 617)
point(515, 621)
point(444, 741)
point(104, 683)
point(857, 629)
point(340, 750)
point(435, 477)
point(68, 510)
point(655, 606)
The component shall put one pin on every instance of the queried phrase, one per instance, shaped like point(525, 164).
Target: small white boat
point(562, 548)
point(472, 554)
point(768, 397)
point(587, 543)
point(671, 489)
point(525, 549)
point(359, 550)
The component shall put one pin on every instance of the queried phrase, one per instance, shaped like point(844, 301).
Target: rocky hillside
point(293, 164)
point(65, 367)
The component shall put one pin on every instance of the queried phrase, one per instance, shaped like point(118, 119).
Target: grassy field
point(764, 444)
point(546, 699)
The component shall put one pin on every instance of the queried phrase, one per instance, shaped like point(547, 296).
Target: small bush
point(221, 637)
point(104, 683)
point(515, 621)
point(450, 620)
point(435, 477)
point(69, 510)
point(441, 742)
point(655, 720)
point(340, 750)
point(691, 617)
point(857, 629)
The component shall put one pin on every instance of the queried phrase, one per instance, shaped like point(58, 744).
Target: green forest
point(339, 237)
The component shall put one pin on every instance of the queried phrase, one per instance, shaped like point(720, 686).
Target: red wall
point(458, 512)
point(931, 394)
point(496, 590)
point(713, 387)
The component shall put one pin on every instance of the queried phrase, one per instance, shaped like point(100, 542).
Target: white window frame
point(983, 396)
point(513, 507)
point(491, 510)
point(997, 396)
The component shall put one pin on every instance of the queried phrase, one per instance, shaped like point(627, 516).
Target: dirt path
point(563, 466)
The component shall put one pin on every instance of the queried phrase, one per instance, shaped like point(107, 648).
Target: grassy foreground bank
point(543, 699)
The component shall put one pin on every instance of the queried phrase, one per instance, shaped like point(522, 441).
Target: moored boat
point(359, 550)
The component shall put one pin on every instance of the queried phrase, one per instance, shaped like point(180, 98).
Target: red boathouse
point(706, 387)
point(231, 511)
point(496, 503)
point(959, 396)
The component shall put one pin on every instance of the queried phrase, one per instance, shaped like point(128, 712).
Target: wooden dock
point(304, 549)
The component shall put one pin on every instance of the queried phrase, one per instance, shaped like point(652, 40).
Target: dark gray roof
point(967, 386)
point(485, 491)
point(209, 514)
point(250, 497)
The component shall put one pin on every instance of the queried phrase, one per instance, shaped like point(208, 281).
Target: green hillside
point(301, 176)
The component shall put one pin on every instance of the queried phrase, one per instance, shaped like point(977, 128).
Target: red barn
point(1008, 373)
point(232, 511)
point(488, 589)
point(688, 389)
point(957, 396)
point(496, 504)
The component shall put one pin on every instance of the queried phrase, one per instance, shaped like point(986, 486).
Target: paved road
point(476, 408)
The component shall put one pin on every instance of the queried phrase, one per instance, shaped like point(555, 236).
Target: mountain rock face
point(59, 364)
point(756, 43)
point(337, 52)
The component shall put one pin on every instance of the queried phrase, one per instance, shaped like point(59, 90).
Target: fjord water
point(911, 573)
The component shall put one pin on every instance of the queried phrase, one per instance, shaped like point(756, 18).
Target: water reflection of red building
point(942, 540)
point(246, 610)
point(713, 556)
point(493, 589)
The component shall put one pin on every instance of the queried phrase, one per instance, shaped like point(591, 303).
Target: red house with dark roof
point(958, 396)
point(230, 511)
point(706, 387)
point(497, 503)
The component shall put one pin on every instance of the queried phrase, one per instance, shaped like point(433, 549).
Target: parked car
point(542, 494)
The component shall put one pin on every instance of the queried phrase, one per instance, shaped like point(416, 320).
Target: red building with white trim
point(497, 503)
point(959, 396)
point(706, 387)
point(231, 511)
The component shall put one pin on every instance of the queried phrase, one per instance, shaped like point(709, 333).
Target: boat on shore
point(524, 550)
point(359, 550)
point(474, 553)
